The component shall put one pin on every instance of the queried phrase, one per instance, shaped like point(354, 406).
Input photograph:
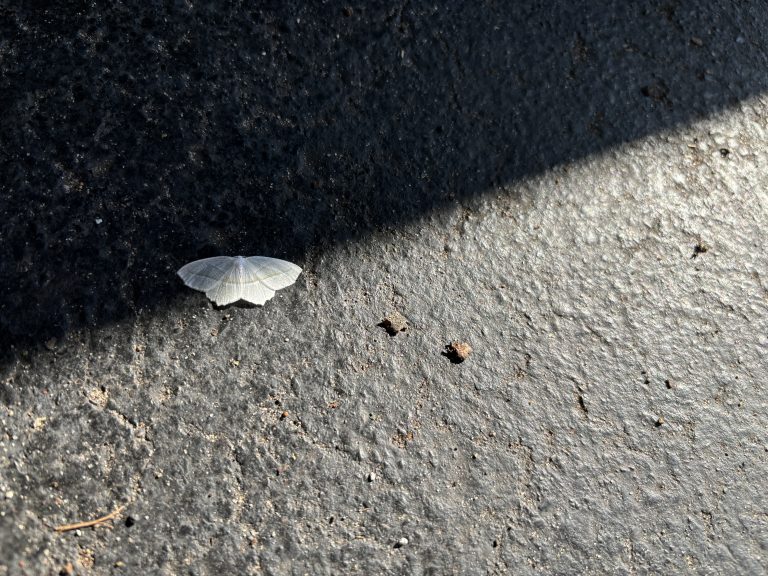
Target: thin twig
point(87, 523)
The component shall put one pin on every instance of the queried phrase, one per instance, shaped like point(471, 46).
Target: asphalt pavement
point(560, 207)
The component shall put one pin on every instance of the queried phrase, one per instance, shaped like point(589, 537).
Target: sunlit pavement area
point(576, 192)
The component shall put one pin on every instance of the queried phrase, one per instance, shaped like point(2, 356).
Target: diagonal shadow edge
point(139, 140)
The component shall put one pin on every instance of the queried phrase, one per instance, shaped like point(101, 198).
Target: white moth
point(227, 279)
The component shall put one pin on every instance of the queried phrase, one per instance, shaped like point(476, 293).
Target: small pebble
point(394, 323)
point(457, 352)
point(9, 494)
point(659, 421)
point(402, 542)
point(372, 477)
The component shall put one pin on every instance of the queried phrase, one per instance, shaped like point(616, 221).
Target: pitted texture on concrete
point(609, 276)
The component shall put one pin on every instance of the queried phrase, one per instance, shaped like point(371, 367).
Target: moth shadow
point(239, 304)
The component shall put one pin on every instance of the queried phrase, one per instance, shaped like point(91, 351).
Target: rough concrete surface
point(577, 190)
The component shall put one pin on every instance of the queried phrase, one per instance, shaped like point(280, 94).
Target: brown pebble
point(457, 352)
point(394, 323)
point(660, 421)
